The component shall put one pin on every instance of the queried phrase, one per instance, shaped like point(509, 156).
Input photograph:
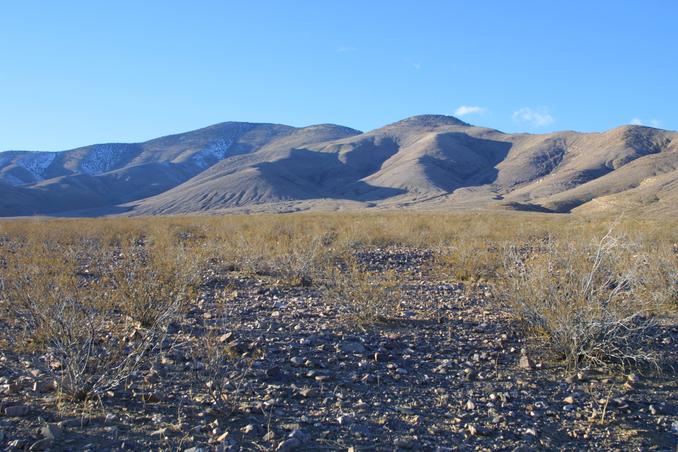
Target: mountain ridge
point(423, 161)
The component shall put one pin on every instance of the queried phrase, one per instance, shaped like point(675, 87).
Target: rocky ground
point(446, 374)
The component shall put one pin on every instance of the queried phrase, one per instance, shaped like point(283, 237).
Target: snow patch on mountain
point(215, 151)
point(101, 158)
point(36, 163)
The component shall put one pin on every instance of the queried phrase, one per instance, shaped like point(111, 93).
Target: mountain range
point(424, 162)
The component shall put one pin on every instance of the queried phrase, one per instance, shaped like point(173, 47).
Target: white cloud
point(652, 122)
point(464, 110)
point(536, 117)
point(414, 64)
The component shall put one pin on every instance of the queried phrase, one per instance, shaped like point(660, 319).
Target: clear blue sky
point(81, 72)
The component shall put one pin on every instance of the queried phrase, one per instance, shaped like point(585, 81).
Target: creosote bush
point(95, 318)
point(363, 296)
point(91, 297)
point(594, 303)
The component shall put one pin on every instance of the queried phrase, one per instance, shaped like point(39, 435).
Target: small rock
point(345, 419)
point(17, 410)
point(300, 435)
point(296, 361)
point(51, 432)
point(273, 372)
point(159, 432)
point(42, 444)
point(307, 392)
point(288, 445)
point(525, 362)
point(405, 410)
point(221, 438)
point(226, 337)
point(16, 444)
point(470, 405)
point(44, 386)
point(352, 347)
point(406, 443)
point(270, 436)
point(569, 400)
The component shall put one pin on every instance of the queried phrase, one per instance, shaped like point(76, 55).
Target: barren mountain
point(427, 161)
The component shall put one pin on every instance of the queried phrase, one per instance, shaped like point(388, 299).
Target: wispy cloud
point(345, 49)
point(414, 64)
point(464, 110)
point(535, 117)
point(651, 122)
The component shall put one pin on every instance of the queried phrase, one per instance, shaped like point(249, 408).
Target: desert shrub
point(470, 261)
point(220, 368)
point(143, 285)
point(587, 304)
point(93, 328)
point(296, 257)
point(363, 297)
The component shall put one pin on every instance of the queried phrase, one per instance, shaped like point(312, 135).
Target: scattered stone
point(44, 386)
point(345, 419)
point(221, 438)
point(294, 441)
point(307, 392)
point(525, 362)
point(269, 436)
point(296, 361)
point(381, 386)
point(41, 444)
point(406, 443)
point(353, 347)
point(16, 444)
point(300, 435)
point(273, 372)
point(52, 432)
point(288, 445)
point(16, 411)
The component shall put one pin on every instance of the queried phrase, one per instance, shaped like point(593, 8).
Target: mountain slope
point(110, 174)
point(428, 161)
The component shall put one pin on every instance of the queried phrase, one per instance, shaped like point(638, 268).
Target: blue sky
point(81, 72)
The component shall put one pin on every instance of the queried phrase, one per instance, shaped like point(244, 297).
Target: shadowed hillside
point(428, 161)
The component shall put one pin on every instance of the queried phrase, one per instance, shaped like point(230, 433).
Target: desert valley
point(338, 226)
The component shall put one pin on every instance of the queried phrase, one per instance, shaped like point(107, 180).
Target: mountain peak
point(431, 121)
